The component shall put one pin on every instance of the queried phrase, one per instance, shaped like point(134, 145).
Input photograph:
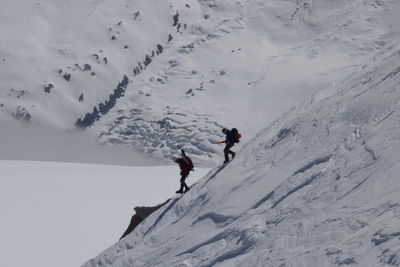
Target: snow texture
point(325, 194)
point(314, 186)
point(154, 75)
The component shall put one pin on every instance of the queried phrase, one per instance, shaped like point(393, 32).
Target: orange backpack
point(236, 134)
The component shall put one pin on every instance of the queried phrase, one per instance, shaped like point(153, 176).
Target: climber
point(186, 165)
point(232, 137)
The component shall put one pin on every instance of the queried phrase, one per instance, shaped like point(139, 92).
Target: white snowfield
point(58, 214)
point(319, 187)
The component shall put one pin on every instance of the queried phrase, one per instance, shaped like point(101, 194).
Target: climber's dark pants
point(227, 151)
point(184, 175)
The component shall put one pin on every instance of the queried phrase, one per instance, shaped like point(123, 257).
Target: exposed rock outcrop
point(141, 213)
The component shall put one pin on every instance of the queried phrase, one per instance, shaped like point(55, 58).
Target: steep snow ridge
point(318, 187)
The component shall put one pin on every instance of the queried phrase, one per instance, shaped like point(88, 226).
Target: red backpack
point(188, 161)
point(236, 135)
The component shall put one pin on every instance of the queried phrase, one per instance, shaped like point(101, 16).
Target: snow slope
point(241, 63)
point(58, 214)
point(319, 187)
point(154, 74)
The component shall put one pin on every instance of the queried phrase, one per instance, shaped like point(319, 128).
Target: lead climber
point(232, 137)
point(186, 165)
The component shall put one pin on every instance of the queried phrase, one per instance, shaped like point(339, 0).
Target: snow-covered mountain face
point(319, 187)
point(158, 74)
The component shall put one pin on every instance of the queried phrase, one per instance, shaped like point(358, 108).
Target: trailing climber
point(232, 137)
point(186, 165)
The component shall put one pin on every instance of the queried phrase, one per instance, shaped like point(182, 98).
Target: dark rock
point(95, 56)
point(141, 213)
point(87, 67)
point(48, 87)
point(81, 97)
point(103, 108)
point(160, 49)
point(67, 77)
point(147, 61)
point(77, 65)
point(176, 19)
point(27, 117)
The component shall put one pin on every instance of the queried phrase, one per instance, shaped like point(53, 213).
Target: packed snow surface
point(59, 214)
point(319, 187)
